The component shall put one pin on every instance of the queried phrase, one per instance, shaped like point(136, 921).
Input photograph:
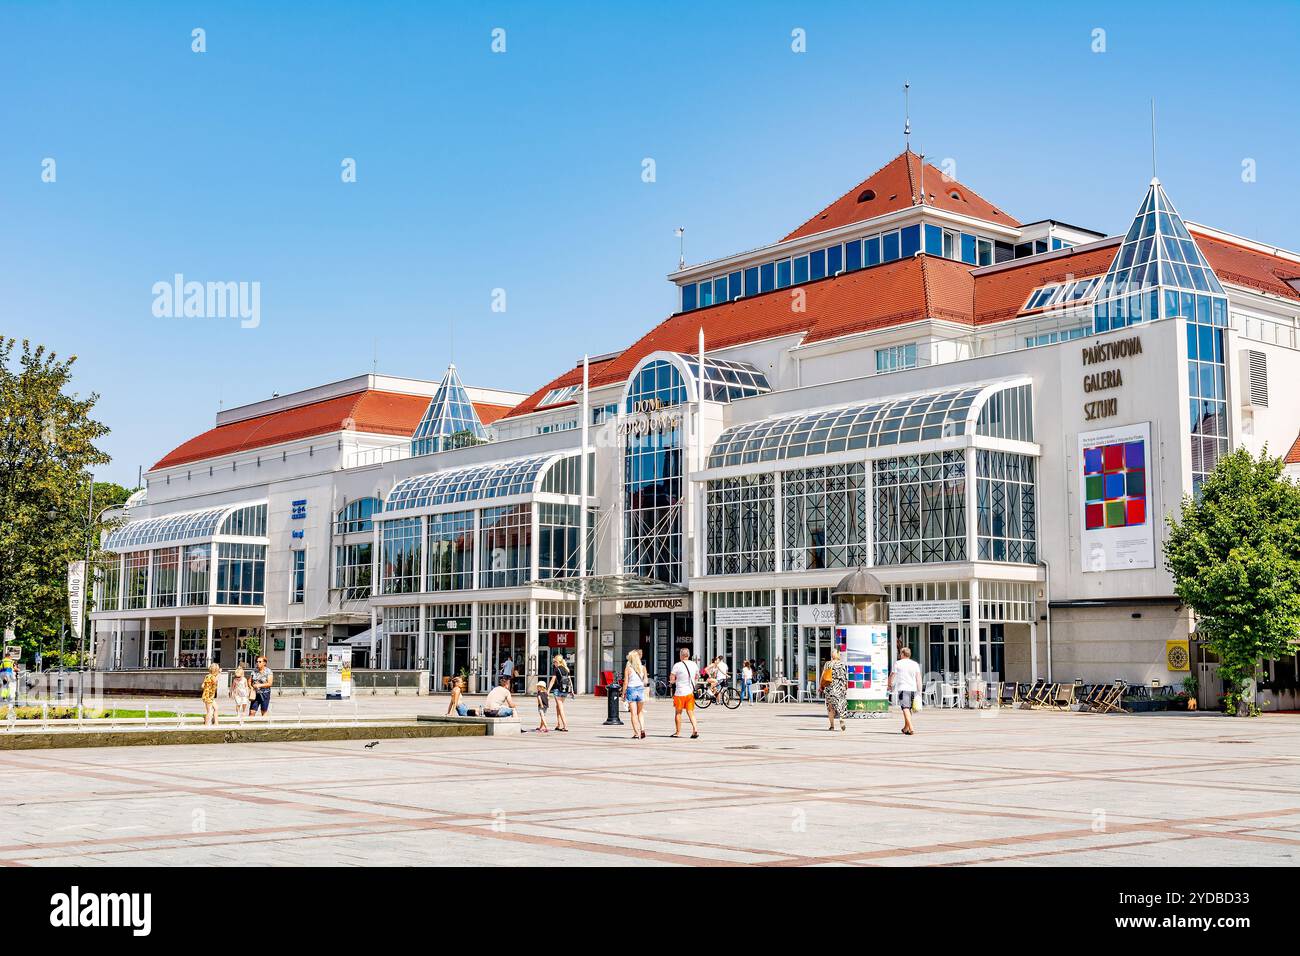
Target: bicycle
point(660, 687)
point(727, 696)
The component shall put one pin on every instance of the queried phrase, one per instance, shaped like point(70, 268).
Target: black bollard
point(612, 693)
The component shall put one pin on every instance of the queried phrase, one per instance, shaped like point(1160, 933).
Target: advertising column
point(865, 650)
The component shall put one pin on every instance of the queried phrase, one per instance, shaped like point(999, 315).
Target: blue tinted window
point(853, 255)
point(688, 297)
point(706, 293)
point(751, 280)
point(933, 240)
point(911, 240)
point(783, 273)
point(871, 250)
point(890, 242)
point(720, 289)
point(767, 273)
point(733, 283)
point(967, 248)
point(817, 264)
point(801, 269)
point(834, 260)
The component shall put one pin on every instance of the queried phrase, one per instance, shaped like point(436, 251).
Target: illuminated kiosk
point(862, 637)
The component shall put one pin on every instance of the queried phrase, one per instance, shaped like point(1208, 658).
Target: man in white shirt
point(683, 678)
point(906, 679)
point(499, 703)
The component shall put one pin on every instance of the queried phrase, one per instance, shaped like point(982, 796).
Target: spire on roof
point(450, 421)
point(1157, 253)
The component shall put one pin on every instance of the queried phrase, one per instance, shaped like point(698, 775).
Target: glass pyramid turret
point(450, 420)
point(1158, 272)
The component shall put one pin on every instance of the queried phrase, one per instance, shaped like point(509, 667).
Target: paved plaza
point(765, 785)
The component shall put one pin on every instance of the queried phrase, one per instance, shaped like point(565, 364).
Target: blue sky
point(522, 171)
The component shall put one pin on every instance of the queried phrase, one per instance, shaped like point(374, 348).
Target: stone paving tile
point(764, 785)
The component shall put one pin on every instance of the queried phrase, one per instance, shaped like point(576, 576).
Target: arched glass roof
point(182, 526)
point(660, 376)
point(940, 414)
point(497, 480)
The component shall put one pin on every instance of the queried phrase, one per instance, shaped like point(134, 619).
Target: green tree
point(1235, 558)
point(47, 453)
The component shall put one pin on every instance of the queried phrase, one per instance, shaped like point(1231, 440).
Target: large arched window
point(356, 516)
point(659, 384)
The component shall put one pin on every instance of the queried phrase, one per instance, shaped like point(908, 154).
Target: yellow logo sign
point(1177, 656)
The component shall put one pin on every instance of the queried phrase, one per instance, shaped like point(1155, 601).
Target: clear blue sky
point(522, 170)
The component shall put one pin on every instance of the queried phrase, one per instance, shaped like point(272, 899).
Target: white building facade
point(994, 417)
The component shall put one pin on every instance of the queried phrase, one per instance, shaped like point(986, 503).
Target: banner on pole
point(76, 596)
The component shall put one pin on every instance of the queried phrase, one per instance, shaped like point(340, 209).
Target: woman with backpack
point(561, 688)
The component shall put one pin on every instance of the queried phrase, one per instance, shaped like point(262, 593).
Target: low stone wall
point(151, 737)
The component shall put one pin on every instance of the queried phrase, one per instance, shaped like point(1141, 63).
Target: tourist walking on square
point(262, 681)
point(240, 691)
point(210, 696)
point(835, 687)
point(683, 678)
point(560, 687)
point(507, 668)
point(906, 679)
point(634, 691)
point(457, 691)
point(747, 682)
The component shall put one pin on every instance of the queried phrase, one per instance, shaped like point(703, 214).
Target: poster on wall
point(1116, 524)
point(864, 649)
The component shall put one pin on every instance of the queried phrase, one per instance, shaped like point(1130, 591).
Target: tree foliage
point(47, 453)
point(1235, 558)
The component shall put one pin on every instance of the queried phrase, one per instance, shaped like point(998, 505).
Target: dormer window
point(866, 195)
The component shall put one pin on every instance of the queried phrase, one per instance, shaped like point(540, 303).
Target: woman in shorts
point(560, 687)
point(634, 692)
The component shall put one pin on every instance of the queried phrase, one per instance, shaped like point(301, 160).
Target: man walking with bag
point(906, 679)
point(683, 678)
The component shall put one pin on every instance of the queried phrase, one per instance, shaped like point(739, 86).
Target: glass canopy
point(497, 480)
point(941, 414)
point(450, 420)
point(183, 526)
point(727, 381)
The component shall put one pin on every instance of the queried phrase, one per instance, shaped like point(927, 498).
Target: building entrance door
point(514, 645)
point(742, 644)
point(453, 657)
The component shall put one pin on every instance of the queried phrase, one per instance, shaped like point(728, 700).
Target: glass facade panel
point(357, 516)
point(824, 518)
point(249, 522)
point(400, 554)
point(505, 535)
point(135, 580)
point(1007, 526)
point(352, 570)
point(920, 508)
point(741, 525)
point(451, 551)
point(195, 574)
point(241, 574)
point(166, 572)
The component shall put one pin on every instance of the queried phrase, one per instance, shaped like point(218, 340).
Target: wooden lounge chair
point(1007, 693)
point(1030, 694)
point(1112, 702)
point(1063, 697)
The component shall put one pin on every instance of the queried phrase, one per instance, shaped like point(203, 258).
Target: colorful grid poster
point(864, 648)
point(1115, 490)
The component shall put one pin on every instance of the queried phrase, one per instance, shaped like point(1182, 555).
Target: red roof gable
point(376, 412)
point(897, 185)
point(1249, 267)
point(1293, 456)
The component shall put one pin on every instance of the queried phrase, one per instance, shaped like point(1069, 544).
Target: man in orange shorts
point(683, 679)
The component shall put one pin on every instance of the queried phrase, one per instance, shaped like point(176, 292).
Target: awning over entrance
point(613, 587)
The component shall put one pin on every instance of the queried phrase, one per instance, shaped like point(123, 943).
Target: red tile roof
point(905, 290)
point(1293, 456)
point(1250, 267)
point(1002, 294)
point(376, 412)
point(897, 185)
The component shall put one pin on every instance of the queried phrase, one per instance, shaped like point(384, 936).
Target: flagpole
point(583, 478)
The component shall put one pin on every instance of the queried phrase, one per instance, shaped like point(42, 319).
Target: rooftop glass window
point(185, 526)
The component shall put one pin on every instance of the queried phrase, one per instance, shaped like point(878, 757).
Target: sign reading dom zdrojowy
point(1117, 530)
